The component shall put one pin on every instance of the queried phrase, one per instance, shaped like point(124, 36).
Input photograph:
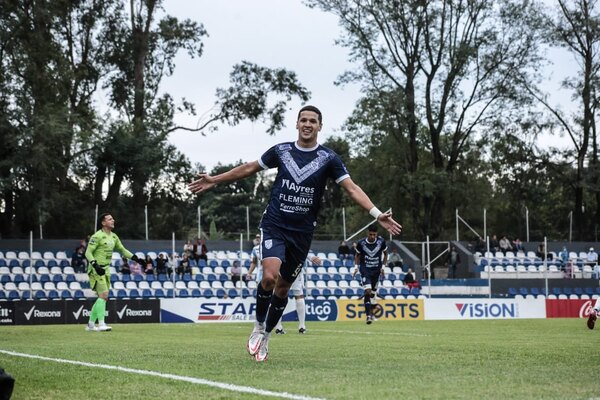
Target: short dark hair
point(102, 216)
point(313, 109)
point(372, 228)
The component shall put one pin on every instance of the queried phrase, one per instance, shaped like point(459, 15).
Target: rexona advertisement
point(78, 312)
point(484, 308)
point(207, 310)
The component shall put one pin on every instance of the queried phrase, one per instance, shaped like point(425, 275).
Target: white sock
point(597, 305)
point(101, 322)
point(300, 309)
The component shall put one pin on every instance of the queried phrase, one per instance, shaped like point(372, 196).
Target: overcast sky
point(270, 33)
point(275, 34)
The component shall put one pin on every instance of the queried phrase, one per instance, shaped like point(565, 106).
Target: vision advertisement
point(7, 313)
point(442, 309)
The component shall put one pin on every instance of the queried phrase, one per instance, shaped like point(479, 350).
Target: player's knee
point(268, 282)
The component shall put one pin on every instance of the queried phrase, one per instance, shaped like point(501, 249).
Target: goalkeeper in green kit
point(99, 256)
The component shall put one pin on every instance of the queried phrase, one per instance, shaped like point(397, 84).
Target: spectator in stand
point(188, 248)
point(162, 267)
point(125, 270)
point(201, 250)
point(184, 266)
point(592, 257)
point(344, 252)
point(235, 272)
point(563, 255)
point(505, 245)
point(452, 262)
point(149, 266)
point(518, 246)
point(410, 281)
point(78, 261)
point(136, 269)
point(394, 259)
point(541, 252)
point(494, 245)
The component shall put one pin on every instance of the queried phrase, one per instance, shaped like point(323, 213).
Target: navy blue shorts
point(291, 247)
point(370, 277)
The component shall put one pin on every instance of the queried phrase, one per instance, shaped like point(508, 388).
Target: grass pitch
point(484, 359)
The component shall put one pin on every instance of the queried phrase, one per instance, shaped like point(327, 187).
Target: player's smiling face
point(308, 126)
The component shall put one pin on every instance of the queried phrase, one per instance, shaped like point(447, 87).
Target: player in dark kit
point(370, 258)
point(303, 169)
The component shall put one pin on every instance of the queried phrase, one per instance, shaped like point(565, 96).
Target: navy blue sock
point(367, 300)
point(263, 299)
point(275, 312)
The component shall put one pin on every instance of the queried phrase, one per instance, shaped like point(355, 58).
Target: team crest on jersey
point(300, 174)
point(268, 244)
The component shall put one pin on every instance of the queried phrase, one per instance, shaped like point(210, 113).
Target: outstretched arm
point(205, 181)
point(360, 197)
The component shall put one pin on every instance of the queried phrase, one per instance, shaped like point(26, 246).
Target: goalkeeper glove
point(136, 259)
point(98, 268)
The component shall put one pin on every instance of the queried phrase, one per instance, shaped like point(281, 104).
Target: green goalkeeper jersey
point(102, 245)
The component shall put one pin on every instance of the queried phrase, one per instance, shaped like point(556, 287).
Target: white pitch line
point(372, 333)
point(198, 381)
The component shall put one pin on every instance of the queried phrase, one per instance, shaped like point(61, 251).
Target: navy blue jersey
point(298, 188)
point(370, 254)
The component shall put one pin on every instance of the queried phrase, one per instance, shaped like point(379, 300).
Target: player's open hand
point(203, 183)
point(386, 220)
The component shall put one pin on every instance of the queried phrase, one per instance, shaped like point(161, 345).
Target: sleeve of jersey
point(121, 249)
point(338, 169)
point(269, 159)
point(91, 247)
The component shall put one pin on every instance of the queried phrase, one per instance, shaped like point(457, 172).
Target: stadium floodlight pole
point(199, 225)
point(247, 225)
point(174, 262)
point(527, 222)
point(146, 217)
point(30, 263)
point(428, 269)
point(240, 258)
point(456, 218)
point(546, 261)
point(344, 221)
point(484, 222)
point(487, 238)
point(570, 226)
point(95, 219)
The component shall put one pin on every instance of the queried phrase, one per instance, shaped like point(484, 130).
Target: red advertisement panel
point(568, 308)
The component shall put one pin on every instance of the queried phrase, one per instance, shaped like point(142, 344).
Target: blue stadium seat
point(183, 293)
point(162, 278)
point(134, 293)
point(53, 294)
point(150, 278)
point(394, 292)
point(246, 292)
point(338, 292)
point(232, 293)
point(170, 293)
point(196, 293)
point(5, 278)
point(2, 262)
point(589, 291)
point(51, 263)
point(568, 291)
point(199, 277)
point(2, 295)
point(211, 277)
point(66, 294)
point(14, 295)
point(147, 293)
point(57, 278)
point(314, 292)
point(213, 264)
point(382, 292)
point(202, 263)
point(137, 278)
point(578, 291)
point(220, 293)
point(349, 292)
point(225, 264)
point(39, 295)
point(523, 291)
point(124, 278)
point(326, 292)
point(208, 293)
point(159, 293)
point(187, 277)
point(556, 291)
point(534, 291)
